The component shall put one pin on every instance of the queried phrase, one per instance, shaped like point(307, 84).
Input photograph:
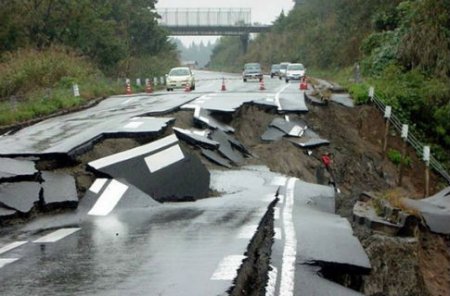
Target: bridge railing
point(201, 17)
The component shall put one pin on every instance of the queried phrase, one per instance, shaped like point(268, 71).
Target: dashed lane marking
point(4, 262)
point(12, 246)
point(97, 186)
point(109, 199)
point(56, 235)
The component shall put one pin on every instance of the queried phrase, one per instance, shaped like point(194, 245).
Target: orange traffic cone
point(224, 88)
point(261, 85)
point(149, 88)
point(128, 89)
point(303, 84)
point(188, 87)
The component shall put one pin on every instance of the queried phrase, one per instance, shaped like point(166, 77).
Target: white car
point(295, 72)
point(180, 77)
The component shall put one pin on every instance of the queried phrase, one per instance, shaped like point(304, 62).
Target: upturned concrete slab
point(59, 190)
point(225, 148)
point(343, 99)
point(290, 128)
point(196, 137)
point(161, 169)
point(272, 134)
point(203, 117)
point(434, 209)
point(20, 196)
point(309, 139)
point(14, 168)
point(215, 157)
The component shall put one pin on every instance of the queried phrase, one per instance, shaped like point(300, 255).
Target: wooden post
point(426, 158)
point(387, 116)
point(405, 129)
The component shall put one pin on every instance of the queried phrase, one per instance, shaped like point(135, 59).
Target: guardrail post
point(387, 116)
point(371, 93)
point(426, 158)
point(155, 81)
point(405, 129)
point(76, 90)
point(138, 82)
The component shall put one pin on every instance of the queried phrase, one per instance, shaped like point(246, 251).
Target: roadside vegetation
point(402, 47)
point(47, 46)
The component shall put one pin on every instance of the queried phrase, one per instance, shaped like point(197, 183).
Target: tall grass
point(37, 83)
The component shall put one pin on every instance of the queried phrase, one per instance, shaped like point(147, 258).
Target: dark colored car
point(275, 70)
point(252, 71)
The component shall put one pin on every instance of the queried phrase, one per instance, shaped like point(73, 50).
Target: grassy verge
point(34, 83)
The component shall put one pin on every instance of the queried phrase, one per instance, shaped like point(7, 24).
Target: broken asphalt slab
point(196, 138)
point(59, 191)
point(70, 134)
point(161, 169)
point(312, 241)
point(216, 158)
point(434, 209)
point(20, 196)
point(203, 117)
point(310, 139)
point(226, 148)
point(290, 128)
point(15, 169)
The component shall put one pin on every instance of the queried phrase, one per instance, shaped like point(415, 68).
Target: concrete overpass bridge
point(210, 22)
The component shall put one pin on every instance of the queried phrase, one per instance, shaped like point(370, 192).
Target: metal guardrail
point(412, 139)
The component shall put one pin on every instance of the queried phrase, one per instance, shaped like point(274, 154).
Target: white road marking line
point(4, 262)
point(272, 282)
point(56, 235)
point(165, 158)
point(296, 131)
point(228, 267)
point(126, 102)
point(133, 125)
point(109, 199)
point(12, 246)
point(277, 233)
point(277, 97)
point(97, 186)
point(286, 117)
point(276, 213)
point(248, 232)
point(290, 246)
point(132, 153)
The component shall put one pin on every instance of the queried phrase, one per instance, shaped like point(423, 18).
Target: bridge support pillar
point(244, 42)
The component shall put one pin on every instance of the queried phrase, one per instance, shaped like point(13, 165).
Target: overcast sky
point(262, 11)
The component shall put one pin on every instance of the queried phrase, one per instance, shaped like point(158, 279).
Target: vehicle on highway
point(275, 70)
point(180, 77)
point(283, 68)
point(252, 71)
point(295, 72)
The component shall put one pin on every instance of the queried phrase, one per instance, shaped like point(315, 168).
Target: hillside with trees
point(403, 48)
point(47, 45)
